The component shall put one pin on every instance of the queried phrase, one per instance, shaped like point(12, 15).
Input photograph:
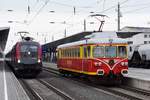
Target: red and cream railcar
point(103, 57)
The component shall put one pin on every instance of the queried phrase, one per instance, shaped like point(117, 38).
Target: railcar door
point(86, 63)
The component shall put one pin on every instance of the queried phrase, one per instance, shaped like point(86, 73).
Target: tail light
point(18, 52)
point(39, 54)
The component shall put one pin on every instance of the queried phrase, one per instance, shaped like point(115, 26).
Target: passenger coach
point(104, 58)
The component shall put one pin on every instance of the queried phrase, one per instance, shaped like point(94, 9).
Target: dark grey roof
point(4, 31)
point(4, 28)
point(76, 37)
point(135, 29)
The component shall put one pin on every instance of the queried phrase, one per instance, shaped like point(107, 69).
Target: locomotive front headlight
point(39, 60)
point(18, 61)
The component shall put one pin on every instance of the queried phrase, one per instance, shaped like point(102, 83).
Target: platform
point(137, 77)
point(10, 88)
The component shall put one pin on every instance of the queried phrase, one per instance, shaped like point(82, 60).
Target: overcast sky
point(37, 21)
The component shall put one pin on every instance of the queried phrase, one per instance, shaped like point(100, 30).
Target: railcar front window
point(122, 51)
point(98, 51)
point(110, 51)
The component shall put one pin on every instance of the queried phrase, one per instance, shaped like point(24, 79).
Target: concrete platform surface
point(10, 88)
point(139, 73)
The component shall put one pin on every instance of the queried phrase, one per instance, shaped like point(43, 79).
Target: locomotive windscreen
point(29, 53)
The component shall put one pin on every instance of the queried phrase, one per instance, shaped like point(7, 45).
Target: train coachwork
point(94, 57)
point(25, 58)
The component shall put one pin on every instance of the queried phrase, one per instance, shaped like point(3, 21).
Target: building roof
point(135, 29)
point(4, 28)
point(4, 31)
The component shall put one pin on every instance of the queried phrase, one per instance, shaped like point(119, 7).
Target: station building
point(4, 31)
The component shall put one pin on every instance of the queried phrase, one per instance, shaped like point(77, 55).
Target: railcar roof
point(95, 41)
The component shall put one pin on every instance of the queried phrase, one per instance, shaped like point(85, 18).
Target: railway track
point(124, 92)
point(35, 95)
point(30, 91)
point(56, 90)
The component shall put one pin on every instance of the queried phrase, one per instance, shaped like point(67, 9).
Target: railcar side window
point(122, 52)
point(98, 51)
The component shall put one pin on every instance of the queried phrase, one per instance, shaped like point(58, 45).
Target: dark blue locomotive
point(25, 58)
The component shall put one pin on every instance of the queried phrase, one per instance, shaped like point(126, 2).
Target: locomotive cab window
point(26, 48)
point(122, 51)
point(29, 50)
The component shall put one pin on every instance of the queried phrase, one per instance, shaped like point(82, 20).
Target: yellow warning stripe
point(78, 71)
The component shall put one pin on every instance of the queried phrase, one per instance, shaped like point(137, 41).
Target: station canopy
point(3, 37)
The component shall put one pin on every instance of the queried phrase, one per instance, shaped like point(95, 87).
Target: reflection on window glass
point(98, 51)
point(110, 51)
point(122, 52)
point(86, 51)
point(85, 54)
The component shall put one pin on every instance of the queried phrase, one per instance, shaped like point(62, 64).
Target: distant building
point(135, 29)
point(135, 35)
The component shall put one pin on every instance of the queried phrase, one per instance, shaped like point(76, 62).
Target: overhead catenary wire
point(38, 12)
point(104, 4)
point(137, 10)
point(124, 2)
point(102, 11)
point(113, 7)
point(135, 5)
point(62, 4)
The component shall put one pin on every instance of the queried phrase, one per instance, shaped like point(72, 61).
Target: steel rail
point(109, 90)
point(35, 95)
point(136, 90)
point(118, 93)
point(56, 90)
